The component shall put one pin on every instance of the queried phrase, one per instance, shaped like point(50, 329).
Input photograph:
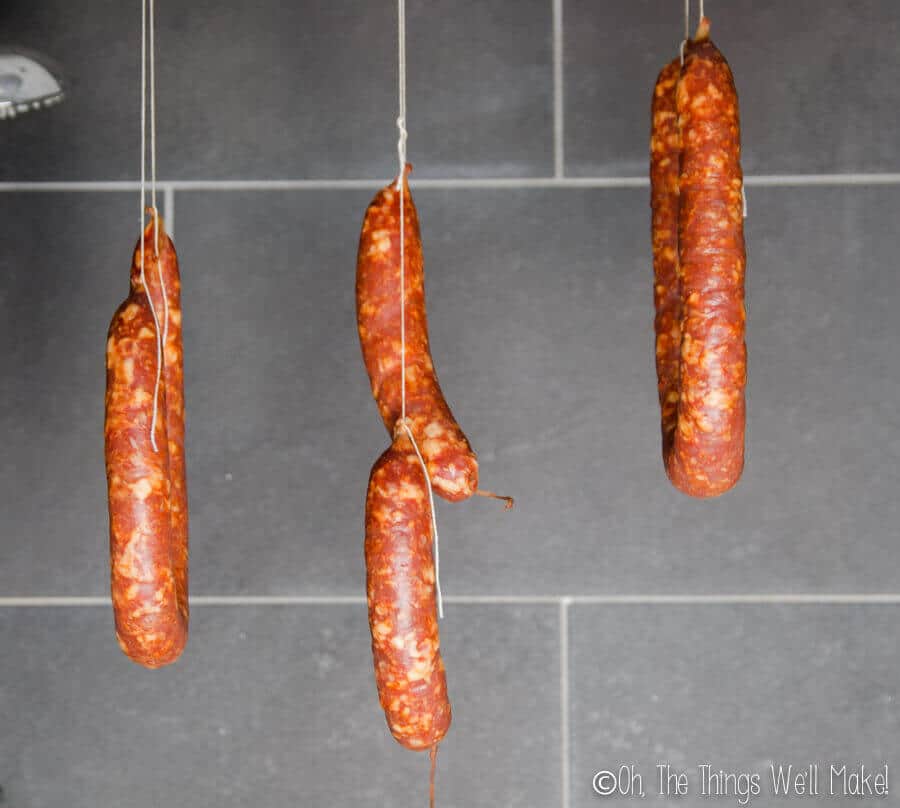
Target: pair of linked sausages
point(699, 262)
point(400, 564)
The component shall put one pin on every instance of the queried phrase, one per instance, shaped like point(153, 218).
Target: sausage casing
point(452, 464)
point(146, 486)
point(400, 587)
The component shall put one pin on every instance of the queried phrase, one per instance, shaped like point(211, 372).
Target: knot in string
point(401, 149)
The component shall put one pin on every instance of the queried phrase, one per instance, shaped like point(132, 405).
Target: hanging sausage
point(699, 262)
point(145, 467)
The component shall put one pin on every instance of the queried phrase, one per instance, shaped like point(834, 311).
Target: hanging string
point(432, 754)
point(153, 121)
point(162, 283)
point(401, 113)
point(687, 29)
point(702, 14)
point(160, 333)
point(401, 156)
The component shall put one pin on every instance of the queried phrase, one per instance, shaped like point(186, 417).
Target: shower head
point(27, 82)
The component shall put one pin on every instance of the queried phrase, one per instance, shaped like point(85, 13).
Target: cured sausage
point(148, 514)
point(704, 456)
point(452, 464)
point(400, 588)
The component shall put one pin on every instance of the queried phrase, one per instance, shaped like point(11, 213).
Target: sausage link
point(146, 487)
point(705, 455)
point(664, 157)
point(400, 587)
point(452, 464)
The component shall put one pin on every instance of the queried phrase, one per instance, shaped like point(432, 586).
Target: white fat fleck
point(142, 488)
point(147, 639)
point(434, 429)
point(430, 448)
point(381, 242)
point(718, 399)
point(128, 370)
point(132, 561)
point(410, 491)
point(421, 670)
point(447, 485)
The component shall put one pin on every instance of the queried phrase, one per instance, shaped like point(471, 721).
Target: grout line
point(823, 599)
point(169, 210)
point(73, 186)
point(564, 698)
point(497, 183)
point(774, 598)
point(558, 131)
point(60, 600)
point(278, 600)
point(796, 180)
point(281, 185)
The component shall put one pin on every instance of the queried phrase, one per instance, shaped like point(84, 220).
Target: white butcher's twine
point(401, 155)
point(161, 334)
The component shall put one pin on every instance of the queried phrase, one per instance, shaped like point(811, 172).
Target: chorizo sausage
point(705, 455)
point(400, 589)
point(148, 514)
point(452, 464)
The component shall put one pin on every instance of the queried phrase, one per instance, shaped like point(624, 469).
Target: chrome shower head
point(27, 82)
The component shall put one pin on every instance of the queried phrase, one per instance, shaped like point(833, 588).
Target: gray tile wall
point(607, 619)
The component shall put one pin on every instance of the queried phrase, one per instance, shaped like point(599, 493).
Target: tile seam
point(488, 183)
point(783, 599)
